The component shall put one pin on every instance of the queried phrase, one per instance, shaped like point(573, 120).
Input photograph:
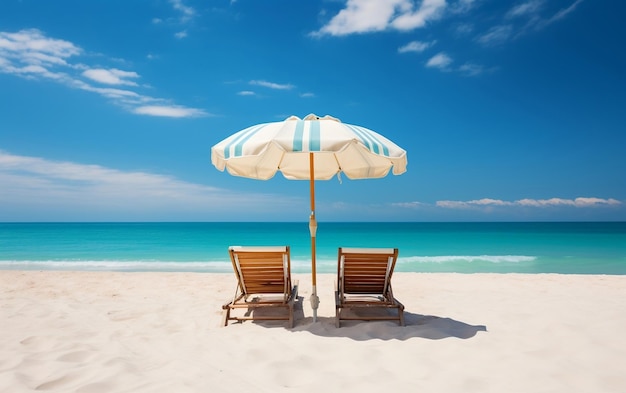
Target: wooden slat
point(263, 273)
point(362, 275)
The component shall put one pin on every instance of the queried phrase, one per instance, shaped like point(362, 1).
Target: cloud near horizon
point(30, 54)
point(488, 203)
point(38, 182)
point(580, 202)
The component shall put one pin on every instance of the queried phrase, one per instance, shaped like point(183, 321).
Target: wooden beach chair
point(263, 281)
point(364, 281)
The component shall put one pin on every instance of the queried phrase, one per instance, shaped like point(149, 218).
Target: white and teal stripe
point(262, 150)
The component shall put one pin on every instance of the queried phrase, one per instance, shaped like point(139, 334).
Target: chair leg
point(337, 308)
point(225, 316)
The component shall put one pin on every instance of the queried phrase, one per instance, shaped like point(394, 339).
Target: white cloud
point(416, 18)
point(41, 184)
point(30, 54)
point(246, 93)
point(31, 46)
point(363, 16)
point(415, 46)
point(540, 203)
point(112, 76)
point(440, 60)
point(181, 34)
point(168, 111)
point(272, 85)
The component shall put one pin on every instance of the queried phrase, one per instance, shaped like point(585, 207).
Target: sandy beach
point(160, 332)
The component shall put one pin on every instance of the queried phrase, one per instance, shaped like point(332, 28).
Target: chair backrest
point(262, 270)
point(366, 270)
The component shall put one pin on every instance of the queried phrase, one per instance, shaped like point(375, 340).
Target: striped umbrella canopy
point(313, 148)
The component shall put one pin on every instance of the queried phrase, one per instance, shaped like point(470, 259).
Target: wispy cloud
point(415, 46)
point(186, 12)
point(181, 34)
point(413, 17)
point(38, 182)
point(471, 69)
point(31, 54)
point(562, 13)
point(363, 16)
point(168, 111)
point(496, 35)
point(526, 8)
point(411, 205)
point(523, 18)
point(521, 206)
point(182, 18)
point(462, 6)
point(371, 16)
point(440, 60)
point(112, 76)
point(443, 62)
point(464, 29)
point(272, 85)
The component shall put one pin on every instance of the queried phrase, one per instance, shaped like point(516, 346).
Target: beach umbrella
point(313, 148)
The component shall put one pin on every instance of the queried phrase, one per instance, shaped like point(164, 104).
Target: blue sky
point(509, 110)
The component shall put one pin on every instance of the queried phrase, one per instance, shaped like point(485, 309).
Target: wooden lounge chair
point(364, 281)
point(263, 281)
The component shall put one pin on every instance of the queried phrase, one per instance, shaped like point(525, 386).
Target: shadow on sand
point(416, 326)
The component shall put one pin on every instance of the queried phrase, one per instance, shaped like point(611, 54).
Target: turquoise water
point(585, 248)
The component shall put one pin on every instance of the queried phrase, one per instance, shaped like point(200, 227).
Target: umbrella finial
point(313, 116)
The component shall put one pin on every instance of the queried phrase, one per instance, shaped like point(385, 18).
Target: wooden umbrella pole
point(313, 229)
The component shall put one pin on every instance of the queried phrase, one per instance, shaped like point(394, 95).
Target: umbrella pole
point(315, 301)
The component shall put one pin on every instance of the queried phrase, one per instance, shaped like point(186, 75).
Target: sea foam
point(111, 265)
point(468, 259)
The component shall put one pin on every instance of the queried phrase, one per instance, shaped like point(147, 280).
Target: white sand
point(159, 332)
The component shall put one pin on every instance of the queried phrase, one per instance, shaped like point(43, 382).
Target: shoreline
point(159, 332)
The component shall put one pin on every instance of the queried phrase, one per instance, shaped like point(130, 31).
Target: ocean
point(546, 247)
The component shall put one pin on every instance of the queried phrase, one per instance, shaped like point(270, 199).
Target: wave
point(299, 265)
point(468, 259)
point(112, 265)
